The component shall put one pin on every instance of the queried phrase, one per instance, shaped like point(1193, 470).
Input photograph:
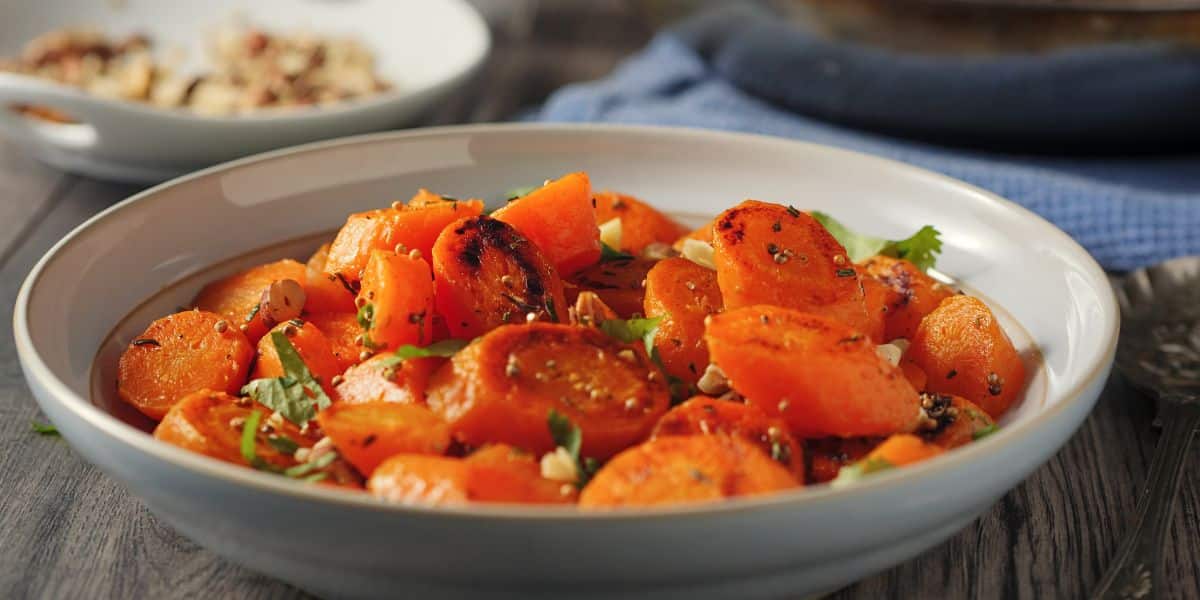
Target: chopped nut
point(282, 300)
point(559, 466)
point(699, 252)
point(221, 326)
point(713, 382)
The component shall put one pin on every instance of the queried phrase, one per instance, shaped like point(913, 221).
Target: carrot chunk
point(959, 421)
point(211, 423)
point(488, 274)
point(180, 354)
point(641, 224)
point(342, 331)
point(501, 388)
point(913, 294)
point(827, 456)
point(673, 470)
point(502, 473)
point(773, 254)
point(683, 294)
point(708, 416)
point(326, 293)
point(422, 480)
point(374, 380)
point(237, 297)
point(963, 350)
point(367, 434)
point(558, 219)
point(397, 300)
point(619, 283)
point(904, 449)
point(312, 346)
point(821, 376)
point(496, 473)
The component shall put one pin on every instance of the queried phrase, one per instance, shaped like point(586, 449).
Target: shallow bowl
point(162, 244)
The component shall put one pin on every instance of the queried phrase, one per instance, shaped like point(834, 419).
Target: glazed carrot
point(708, 416)
point(367, 434)
point(641, 224)
point(558, 219)
point(827, 456)
point(879, 300)
point(237, 297)
point(397, 300)
point(421, 479)
point(914, 374)
point(914, 294)
point(211, 423)
point(488, 274)
point(773, 254)
point(683, 294)
point(179, 354)
point(342, 330)
point(703, 233)
point(502, 473)
point(904, 449)
point(312, 346)
point(824, 378)
point(326, 293)
point(959, 421)
point(619, 283)
point(405, 228)
point(375, 380)
point(965, 353)
point(672, 470)
point(501, 388)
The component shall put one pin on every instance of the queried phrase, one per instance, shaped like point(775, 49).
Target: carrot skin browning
point(558, 219)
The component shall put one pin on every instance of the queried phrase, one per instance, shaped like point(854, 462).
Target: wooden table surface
point(67, 531)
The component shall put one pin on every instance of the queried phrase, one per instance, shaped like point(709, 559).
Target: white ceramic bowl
point(345, 544)
point(426, 49)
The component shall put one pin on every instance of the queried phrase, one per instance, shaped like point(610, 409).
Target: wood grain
point(67, 531)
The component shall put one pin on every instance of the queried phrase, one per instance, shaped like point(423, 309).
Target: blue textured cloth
point(1128, 212)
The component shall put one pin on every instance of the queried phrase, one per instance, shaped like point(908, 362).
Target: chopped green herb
point(283, 444)
point(986, 431)
point(44, 429)
point(296, 395)
point(632, 330)
point(608, 253)
point(921, 248)
point(445, 348)
point(853, 473)
point(302, 471)
point(249, 447)
point(568, 437)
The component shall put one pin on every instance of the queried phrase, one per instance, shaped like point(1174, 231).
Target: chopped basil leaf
point(445, 348)
point(921, 248)
point(283, 444)
point(608, 253)
point(853, 473)
point(632, 330)
point(44, 429)
point(296, 395)
point(986, 431)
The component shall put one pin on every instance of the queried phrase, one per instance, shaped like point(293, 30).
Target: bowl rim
point(277, 115)
point(117, 430)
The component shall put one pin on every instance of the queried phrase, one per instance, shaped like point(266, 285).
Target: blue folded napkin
point(740, 70)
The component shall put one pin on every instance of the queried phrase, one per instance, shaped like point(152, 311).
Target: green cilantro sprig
point(445, 348)
point(308, 471)
point(921, 248)
point(296, 395)
point(569, 437)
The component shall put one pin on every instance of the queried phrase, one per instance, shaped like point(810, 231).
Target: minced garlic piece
point(610, 233)
point(559, 466)
point(698, 252)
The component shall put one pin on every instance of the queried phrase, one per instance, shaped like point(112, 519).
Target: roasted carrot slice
point(914, 374)
point(421, 479)
point(708, 416)
point(641, 224)
point(672, 470)
point(827, 456)
point(376, 380)
point(558, 219)
point(879, 300)
point(404, 228)
point(237, 297)
point(703, 233)
point(619, 283)
point(342, 330)
point(502, 473)
point(914, 294)
point(488, 274)
point(963, 350)
point(326, 293)
point(312, 346)
point(367, 434)
point(959, 421)
point(211, 423)
point(179, 354)
point(397, 300)
point(824, 378)
point(501, 388)
point(904, 449)
point(683, 294)
point(773, 254)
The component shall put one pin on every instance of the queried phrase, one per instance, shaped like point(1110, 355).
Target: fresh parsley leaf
point(632, 330)
point(852, 474)
point(303, 471)
point(921, 248)
point(564, 433)
point(986, 431)
point(608, 253)
point(445, 348)
point(44, 429)
point(296, 395)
